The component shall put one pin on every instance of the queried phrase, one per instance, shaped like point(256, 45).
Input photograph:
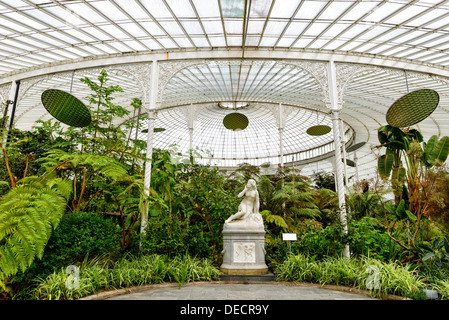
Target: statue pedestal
point(243, 249)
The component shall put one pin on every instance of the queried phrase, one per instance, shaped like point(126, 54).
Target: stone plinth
point(243, 249)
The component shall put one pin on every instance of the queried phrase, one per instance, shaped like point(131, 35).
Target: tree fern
point(277, 220)
point(60, 160)
point(28, 214)
point(83, 168)
point(298, 199)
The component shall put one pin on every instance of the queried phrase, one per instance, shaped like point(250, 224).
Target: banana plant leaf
point(440, 151)
point(385, 164)
point(428, 148)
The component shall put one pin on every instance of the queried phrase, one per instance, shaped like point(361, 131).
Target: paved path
point(233, 291)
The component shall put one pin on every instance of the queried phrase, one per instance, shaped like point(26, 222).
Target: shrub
point(77, 235)
point(367, 237)
point(323, 243)
point(163, 236)
point(81, 234)
point(206, 204)
point(172, 237)
point(277, 251)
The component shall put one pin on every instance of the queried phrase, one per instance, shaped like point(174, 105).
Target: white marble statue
point(248, 211)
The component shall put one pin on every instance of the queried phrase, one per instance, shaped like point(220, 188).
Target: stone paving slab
point(239, 291)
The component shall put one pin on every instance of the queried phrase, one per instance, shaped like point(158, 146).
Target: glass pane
point(383, 10)
point(360, 9)
point(114, 31)
point(260, 8)
point(405, 14)
point(153, 28)
point(181, 8)
point(157, 8)
point(85, 12)
point(234, 26)
point(232, 8)
point(207, 8)
point(334, 10)
point(284, 9)
point(132, 8)
point(310, 9)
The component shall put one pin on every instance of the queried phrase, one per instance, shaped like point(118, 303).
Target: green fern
point(83, 168)
point(110, 168)
point(275, 219)
point(298, 199)
point(28, 214)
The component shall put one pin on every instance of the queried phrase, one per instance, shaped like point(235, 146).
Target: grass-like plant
point(391, 277)
point(101, 274)
point(442, 286)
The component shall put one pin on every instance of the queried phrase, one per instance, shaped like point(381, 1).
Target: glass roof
point(256, 144)
point(246, 81)
point(40, 34)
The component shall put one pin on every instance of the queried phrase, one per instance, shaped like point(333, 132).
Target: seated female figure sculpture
point(248, 210)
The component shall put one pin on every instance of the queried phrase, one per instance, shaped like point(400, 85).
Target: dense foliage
point(75, 196)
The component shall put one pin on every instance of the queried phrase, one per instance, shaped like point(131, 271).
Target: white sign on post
point(289, 237)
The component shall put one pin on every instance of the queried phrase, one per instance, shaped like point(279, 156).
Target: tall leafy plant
point(102, 134)
point(286, 199)
point(390, 165)
point(407, 164)
point(204, 202)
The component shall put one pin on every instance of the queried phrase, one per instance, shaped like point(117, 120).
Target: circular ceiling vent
point(355, 147)
point(233, 105)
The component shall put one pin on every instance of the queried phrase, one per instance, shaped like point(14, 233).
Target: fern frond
point(23, 247)
point(61, 186)
point(275, 219)
point(4, 184)
point(306, 212)
point(104, 165)
point(28, 215)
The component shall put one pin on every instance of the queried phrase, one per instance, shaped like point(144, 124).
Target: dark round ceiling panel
point(66, 108)
point(412, 108)
point(235, 121)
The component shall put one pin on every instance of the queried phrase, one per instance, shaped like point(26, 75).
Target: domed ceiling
point(259, 52)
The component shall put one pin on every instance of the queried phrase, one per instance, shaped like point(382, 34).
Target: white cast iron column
point(335, 108)
point(151, 106)
point(343, 150)
point(190, 118)
point(281, 134)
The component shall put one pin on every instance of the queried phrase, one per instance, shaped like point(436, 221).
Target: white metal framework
point(271, 54)
point(37, 32)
